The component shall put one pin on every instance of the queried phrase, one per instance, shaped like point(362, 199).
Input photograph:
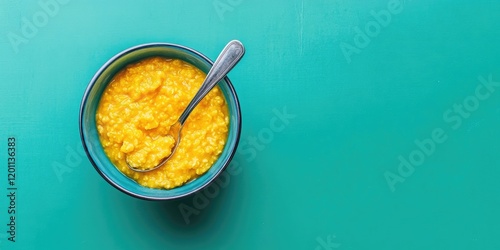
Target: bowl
point(90, 137)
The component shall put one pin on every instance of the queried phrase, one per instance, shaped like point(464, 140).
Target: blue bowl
point(90, 137)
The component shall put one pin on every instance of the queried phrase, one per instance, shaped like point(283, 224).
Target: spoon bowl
point(90, 139)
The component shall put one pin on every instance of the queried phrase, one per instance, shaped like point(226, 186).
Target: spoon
point(227, 59)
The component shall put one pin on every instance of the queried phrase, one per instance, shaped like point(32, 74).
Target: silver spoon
point(227, 59)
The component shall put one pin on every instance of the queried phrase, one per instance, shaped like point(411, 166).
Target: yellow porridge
point(135, 113)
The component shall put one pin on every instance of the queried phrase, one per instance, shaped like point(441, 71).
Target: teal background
point(319, 178)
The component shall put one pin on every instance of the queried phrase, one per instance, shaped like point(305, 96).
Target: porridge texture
point(135, 113)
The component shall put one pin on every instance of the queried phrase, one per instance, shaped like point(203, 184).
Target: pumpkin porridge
point(137, 109)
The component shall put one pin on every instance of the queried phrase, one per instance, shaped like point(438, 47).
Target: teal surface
point(366, 125)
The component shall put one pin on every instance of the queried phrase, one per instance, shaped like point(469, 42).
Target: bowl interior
point(90, 137)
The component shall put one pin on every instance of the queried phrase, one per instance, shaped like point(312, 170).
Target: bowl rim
point(90, 86)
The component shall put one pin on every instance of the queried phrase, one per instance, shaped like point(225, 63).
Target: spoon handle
point(226, 60)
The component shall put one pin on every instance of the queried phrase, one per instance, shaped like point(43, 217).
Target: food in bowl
point(135, 113)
